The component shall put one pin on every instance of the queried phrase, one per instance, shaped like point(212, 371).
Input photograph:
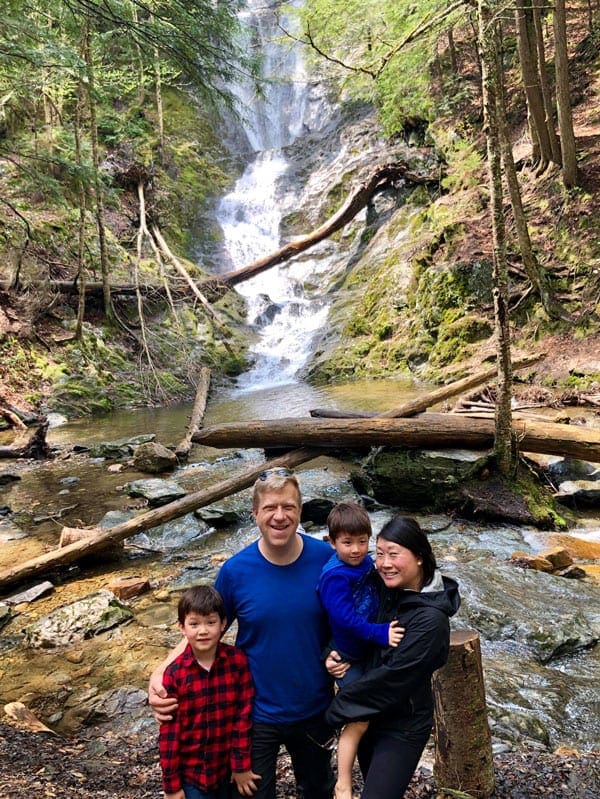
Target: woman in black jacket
point(394, 695)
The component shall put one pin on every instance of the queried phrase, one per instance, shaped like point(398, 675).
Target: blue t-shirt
point(350, 596)
point(282, 628)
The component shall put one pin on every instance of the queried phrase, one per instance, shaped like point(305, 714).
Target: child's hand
point(245, 782)
point(335, 665)
point(177, 795)
point(395, 633)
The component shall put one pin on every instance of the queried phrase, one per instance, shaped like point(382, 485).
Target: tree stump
point(463, 743)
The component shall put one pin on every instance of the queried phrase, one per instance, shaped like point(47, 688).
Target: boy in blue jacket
point(350, 596)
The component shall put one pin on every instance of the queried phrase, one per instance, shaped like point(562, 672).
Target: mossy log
point(425, 431)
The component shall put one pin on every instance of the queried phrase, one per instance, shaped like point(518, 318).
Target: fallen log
point(145, 521)
point(357, 200)
point(173, 510)
point(421, 403)
point(428, 430)
point(182, 449)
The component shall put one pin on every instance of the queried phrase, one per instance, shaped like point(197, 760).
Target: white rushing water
point(284, 316)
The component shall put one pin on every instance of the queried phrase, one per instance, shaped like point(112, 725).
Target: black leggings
point(387, 765)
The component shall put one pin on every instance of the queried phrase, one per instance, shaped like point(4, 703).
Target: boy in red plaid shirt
point(206, 745)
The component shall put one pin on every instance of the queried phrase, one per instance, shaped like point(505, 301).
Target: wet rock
point(547, 616)
point(573, 573)
point(579, 493)
point(31, 594)
point(157, 492)
point(316, 510)
point(82, 619)
point(216, 516)
point(70, 481)
point(129, 587)
point(527, 561)
point(10, 531)
point(121, 448)
point(154, 458)
point(418, 479)
point(558, 557)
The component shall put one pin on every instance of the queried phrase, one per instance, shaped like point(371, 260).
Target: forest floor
point(109, 766)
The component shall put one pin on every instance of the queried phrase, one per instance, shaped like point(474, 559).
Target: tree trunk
point(98, 191)
point(565, 118)
point(544, 82)
point(35, 447)
point(504, 448)
point(531, 84)
point(536, 274)
point(427, 431)
point(183, 448)
point(463, 742)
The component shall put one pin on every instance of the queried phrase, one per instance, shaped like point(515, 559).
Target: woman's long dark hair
point(406, 532)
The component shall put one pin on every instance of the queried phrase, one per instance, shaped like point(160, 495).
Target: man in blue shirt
point(269, 588)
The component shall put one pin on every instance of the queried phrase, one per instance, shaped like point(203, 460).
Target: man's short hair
point(348, 517)
point(201, 599)
point(274, 480)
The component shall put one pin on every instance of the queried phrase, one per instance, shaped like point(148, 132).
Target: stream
point(539, 632)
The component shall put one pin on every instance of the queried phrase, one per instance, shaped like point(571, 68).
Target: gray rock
point(157, 492)
point(216, 516)
point(579, 493)
point(154, 458)
point(5, 614)
point(418, 479)
point(33, 593)
point(10, 532)
point(121, 448)
point(74, 622)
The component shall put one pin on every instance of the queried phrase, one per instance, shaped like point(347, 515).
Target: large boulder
point(74, 622)
point(154, 458)
point(417, 479)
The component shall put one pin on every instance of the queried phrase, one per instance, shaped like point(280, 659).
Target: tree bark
point(98, 190)
point(183, 448)
point(504, 445)
point(463, 742)
point(425, 431)
point(531, 84)
point(568, 148)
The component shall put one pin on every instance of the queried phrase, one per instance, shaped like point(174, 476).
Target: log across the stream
point(146, 521)
point(427, 430)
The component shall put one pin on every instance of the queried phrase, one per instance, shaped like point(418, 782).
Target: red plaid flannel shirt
point(209, 736)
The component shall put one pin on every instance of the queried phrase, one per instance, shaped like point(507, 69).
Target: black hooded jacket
point(395, 692)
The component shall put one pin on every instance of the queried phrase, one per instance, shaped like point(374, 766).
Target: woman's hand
point(245, 782)
point(395, 633)
point(335, 665)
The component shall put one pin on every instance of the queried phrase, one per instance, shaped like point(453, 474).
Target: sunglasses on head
point(279, 472)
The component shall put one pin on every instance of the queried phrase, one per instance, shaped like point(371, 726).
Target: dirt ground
point(100, 764)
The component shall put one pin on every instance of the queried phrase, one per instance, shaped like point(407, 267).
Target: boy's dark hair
point(201, 599)
point(406, 532)
point(348, 517)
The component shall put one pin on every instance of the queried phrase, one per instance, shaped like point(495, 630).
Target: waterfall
point(284, 317)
